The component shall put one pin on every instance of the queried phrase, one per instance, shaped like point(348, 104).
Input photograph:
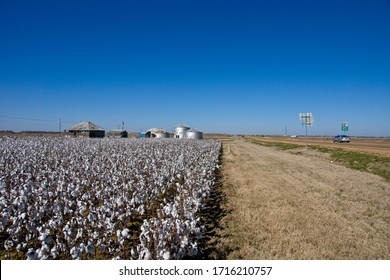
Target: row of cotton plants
point(103, 198)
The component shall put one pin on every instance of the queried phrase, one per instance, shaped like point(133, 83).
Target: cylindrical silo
point(193, 134)
point(180, 131)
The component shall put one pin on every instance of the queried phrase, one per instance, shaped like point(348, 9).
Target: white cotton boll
point(119, 202)
point(8, 244)
point(66, 210)
point(52, 224)
point(66, 227)
point(82, 210)
point(184, 242)
point(145, 254)
point(125, 232)
point(166, 255)
point(28, 237)
point(82, 247)
point(95, 235)
point(118, 234)
point(54, 252)
point(109, 224)
point(74, 252)
point(79, 233)
point(43, 252)
point(132, 202)
point(193, 249)
point(141, 209)
point(23, 216)
point(15, 238)
point(42, 237)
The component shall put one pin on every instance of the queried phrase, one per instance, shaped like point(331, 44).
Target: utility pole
point(59, 129)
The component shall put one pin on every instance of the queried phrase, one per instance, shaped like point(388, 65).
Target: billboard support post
point(307, 119)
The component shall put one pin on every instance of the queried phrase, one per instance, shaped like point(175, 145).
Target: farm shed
point(86, 129)
point(156, 133)
point(117, 134)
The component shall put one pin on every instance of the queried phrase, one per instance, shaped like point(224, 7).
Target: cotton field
point(104, 198)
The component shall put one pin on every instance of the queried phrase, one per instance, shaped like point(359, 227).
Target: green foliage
point(374, 164)
point(364, 162)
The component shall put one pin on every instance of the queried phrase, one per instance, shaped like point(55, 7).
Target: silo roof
point(193, 130)
point(86, 126)
point(183, 126)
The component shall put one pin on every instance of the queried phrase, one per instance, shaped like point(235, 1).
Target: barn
point(86, 129)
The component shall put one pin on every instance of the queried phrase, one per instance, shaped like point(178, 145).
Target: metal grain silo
point(193, 134)
point(180, 131)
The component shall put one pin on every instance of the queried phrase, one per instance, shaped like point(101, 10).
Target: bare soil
point(286, 205)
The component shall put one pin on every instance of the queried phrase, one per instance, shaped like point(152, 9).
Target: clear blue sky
point(220, 66)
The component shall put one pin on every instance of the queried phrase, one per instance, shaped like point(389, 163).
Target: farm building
point(86, 129)
point(185, 132)
point(117, 134)
point(156, 133)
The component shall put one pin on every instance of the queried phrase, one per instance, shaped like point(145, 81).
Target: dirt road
point(301, 206)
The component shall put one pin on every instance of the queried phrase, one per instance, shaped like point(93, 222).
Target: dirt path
point(301, 206)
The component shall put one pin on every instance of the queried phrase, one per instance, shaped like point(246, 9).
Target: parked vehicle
point(341, 139)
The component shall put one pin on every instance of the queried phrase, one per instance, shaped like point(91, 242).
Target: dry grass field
point(372, 145)
point(300, 205)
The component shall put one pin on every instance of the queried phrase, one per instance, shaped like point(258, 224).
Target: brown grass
point(301, 206)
